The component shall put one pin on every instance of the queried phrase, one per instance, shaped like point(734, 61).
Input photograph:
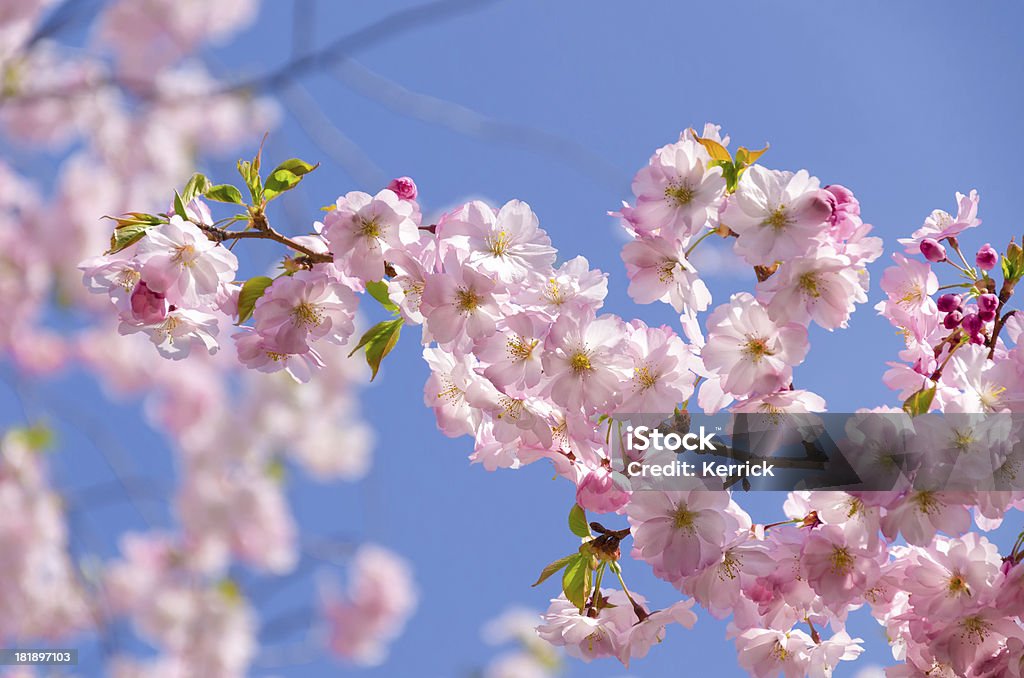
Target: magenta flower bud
point(933, 250)
point(977, 339)
point(404, 188)
point(972, 323)
point(148, 306)
point(988, 302)
point(952, 320)
point(987, 257)
point(948, 302)
point(987, 316)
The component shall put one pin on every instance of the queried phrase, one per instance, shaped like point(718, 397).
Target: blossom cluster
point(524, 361)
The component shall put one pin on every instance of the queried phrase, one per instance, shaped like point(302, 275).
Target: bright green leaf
point(378, 289)
point(286, 176)
point(197, 185)
point(225, 193)
point(125, 236)
point(920, 402)
point(379, 340)
point(576, 580)
point(251, 176)
point(252, 290)
point(554, 567)
point(179, 206)
point(578, 521)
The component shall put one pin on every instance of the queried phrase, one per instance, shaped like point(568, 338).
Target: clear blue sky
point(905, 103)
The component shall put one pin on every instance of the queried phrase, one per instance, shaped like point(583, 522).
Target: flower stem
point(699, 240)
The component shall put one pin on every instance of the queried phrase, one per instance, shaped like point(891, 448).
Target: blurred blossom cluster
point(117, 119)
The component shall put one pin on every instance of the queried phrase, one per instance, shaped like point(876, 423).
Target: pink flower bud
point(404, 188)
point(987, 316)
point(148, 306)
point(952, 320)
point(948, 302)
point(843, 203)
point(988, 302)
point(818, 208)
point(987, 257)
point(933, 250)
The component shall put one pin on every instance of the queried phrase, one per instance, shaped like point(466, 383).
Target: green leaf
point(919, 402)
point(554, 567)
point(1013, 262)
point(578, 521)
point(225, 193)
point(378, 289)
point(197, 185)
point(251, 177)
point(179, 206)
point(379, 340)
point(125, 236)
point(286, 176)
point(576, 580)
point(252, 290)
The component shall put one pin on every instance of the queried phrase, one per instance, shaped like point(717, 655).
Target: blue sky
point(905, 103)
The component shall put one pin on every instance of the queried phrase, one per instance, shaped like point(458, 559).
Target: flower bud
point(987, 316)
point(844, 198)
point(818, 208)
point(933, 250)
point(404, 188)
point(948, 302)
point(987, 257)
point(148, 306)
point(988, 302)
point(972, 323)
point(952, 320)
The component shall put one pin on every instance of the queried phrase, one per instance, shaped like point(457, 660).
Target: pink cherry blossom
point(584, 362)
point(749, 350)
point(662, 364)
point(460, 303)
point(679, 533)
point(940, 224)
point(179, 261)
point(659, 271)
point(300, 309)
point(508, 243)
point(678, 192)
point(513, 353)
point(824, 288)
point(777, 214)
point(362, 228)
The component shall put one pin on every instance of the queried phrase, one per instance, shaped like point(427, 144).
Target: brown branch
point(263, 231)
